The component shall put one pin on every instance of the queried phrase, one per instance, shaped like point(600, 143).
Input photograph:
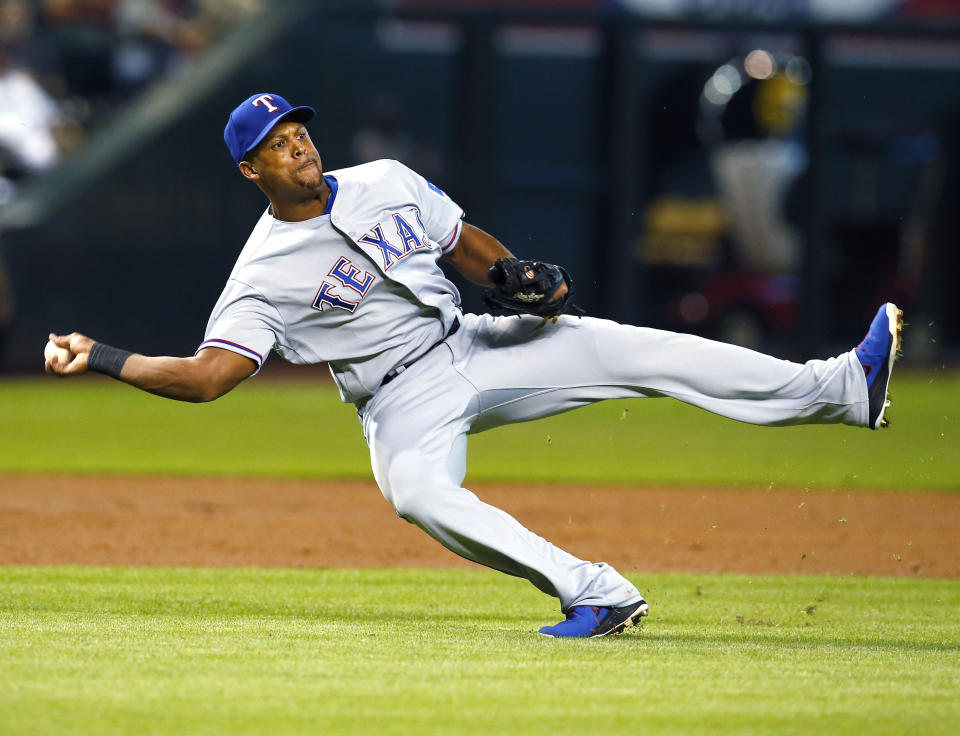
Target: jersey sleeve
point(442, 217)
point(243, 323)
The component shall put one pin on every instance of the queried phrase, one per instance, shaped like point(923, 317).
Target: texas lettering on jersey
point(392, 249)
point(346, 275)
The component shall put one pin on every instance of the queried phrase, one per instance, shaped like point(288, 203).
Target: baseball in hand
point(63, 355)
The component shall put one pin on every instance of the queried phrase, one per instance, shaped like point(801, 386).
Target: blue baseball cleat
point(594, 621)
point(879, 349)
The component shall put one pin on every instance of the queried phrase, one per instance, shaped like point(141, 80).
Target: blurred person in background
point(753, 112)
point(28, 121)
point(34, 128)
point(28, 116)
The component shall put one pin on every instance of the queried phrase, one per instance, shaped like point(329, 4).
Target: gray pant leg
point(416, 428)
point(522, 371)
point(507, 370)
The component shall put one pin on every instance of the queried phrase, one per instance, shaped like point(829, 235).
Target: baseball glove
point(525, 287)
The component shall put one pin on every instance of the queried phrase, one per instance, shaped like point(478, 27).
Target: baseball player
point(343, 268)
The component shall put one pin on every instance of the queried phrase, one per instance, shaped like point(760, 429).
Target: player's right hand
point(79, 347)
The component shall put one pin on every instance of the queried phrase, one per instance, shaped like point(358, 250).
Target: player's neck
point(300, 208)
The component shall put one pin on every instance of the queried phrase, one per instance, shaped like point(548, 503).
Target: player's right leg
point(416, 427)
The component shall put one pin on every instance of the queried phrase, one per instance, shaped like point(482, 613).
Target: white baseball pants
point(500, 370)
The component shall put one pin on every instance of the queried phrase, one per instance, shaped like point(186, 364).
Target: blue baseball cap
point(253, 118)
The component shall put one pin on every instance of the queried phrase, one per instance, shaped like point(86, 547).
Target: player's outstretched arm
point(205, 377)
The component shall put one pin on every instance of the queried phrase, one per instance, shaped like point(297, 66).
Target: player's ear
point(248, 170)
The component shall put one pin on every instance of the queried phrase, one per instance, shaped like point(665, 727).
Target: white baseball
point(63, 355)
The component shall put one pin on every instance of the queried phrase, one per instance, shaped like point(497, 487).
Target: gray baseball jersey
point(359, 287)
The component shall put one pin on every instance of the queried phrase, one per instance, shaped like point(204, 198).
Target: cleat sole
point(634, 620)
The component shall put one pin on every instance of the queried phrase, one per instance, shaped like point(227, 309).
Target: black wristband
point(107, 359)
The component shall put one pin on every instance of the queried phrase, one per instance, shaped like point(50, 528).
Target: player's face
point(286, 160)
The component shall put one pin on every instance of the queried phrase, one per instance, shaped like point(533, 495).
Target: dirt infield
point(231, 522)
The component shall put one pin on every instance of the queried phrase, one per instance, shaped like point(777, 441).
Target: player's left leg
point(523, 371)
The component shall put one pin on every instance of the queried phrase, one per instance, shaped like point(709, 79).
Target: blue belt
point(403, 366)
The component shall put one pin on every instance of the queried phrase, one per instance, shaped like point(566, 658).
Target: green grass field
point(158, 651)
point(120, 651)
point(283, 429)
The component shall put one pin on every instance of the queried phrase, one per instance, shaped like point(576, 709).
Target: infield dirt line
point(222, 522)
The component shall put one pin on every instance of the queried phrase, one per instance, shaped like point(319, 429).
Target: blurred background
point(764, 172)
